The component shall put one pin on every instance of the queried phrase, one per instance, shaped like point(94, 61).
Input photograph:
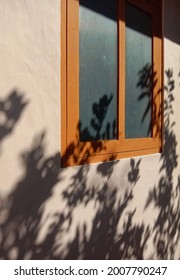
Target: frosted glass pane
point(138, 73)
point(98, 69)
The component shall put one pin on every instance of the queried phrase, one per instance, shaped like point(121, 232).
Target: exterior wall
point(126, 209)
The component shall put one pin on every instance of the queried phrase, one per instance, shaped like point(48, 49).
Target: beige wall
point(123, 209)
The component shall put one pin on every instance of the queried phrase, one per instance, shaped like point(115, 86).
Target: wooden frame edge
point(65, 160)
point(63, 78)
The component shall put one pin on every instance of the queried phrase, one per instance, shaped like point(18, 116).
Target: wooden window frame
point(75, 152)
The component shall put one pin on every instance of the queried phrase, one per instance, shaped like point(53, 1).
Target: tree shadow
point(112, 232)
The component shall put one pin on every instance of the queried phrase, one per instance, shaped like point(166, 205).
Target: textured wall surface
point(126, 209)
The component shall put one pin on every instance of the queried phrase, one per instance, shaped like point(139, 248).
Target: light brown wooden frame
point(75, 152)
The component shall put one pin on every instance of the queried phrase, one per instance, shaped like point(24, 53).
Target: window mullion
point(121, 69)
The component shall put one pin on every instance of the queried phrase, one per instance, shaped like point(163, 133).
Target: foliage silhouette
point(99, 111)
point(103, 240)
point(113, 232)
point(96, 130)
point(22, 211)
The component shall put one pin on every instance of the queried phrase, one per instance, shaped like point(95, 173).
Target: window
point(111, 79)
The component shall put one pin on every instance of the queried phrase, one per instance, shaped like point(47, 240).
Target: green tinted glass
point(138, 73)
point(98, 69)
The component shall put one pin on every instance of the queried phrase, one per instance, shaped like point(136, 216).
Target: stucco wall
point(122, 209)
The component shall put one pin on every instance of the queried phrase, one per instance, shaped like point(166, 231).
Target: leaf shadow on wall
point(165, 196)
point(22, 211)
point(113, 232)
